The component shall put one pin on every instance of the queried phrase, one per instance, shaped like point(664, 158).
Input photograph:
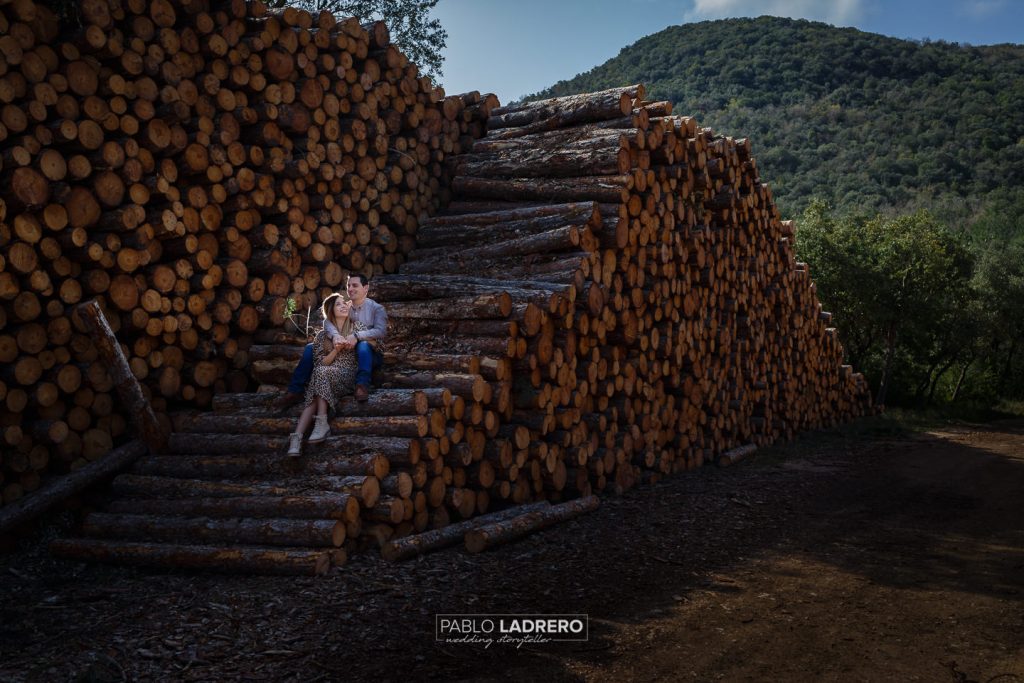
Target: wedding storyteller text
point(515, 629)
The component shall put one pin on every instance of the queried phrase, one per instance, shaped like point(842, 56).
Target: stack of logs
point(610, 297)
point(191, 165)
point(630, 279)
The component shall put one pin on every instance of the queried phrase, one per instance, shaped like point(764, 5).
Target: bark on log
point(307, 533)
point(150, 430)
point(385, 425)
point(734, 455)
point(341, 506)
point(273, 464)
point(420, 544)
point(59, 490)
point(491, 535)
point(232, 558)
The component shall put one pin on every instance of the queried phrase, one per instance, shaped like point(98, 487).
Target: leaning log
point(491, 535)
point(436, 539)
point(734, 455)
point(59, 490)
point(135, 403)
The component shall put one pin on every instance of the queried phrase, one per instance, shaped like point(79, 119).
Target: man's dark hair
point(364, 280)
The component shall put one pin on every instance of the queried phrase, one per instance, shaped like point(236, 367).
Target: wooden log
point(385, 425)
point(325, 506)
point(565, 111)
point(233, 558)
point(310, 533)
point(490, 535)
point(437, 539)
point(368, 490)
point(382, 402)
point(612, 189)
point(734, 455)
point(267, 464)
point(212, 444)
point(58, 490)
point(135, 403)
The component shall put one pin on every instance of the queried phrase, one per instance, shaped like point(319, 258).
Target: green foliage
point(421, 38)
point(926, 312)
point(863, 121)
point(913, 144)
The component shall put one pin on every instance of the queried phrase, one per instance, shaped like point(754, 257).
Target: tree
point(998, 241)
point(420, 37)
point(899, 287)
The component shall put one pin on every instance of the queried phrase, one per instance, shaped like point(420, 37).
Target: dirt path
point(841, 557)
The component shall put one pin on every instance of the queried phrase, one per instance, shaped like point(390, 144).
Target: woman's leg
point(306, 418)
point(321, 428)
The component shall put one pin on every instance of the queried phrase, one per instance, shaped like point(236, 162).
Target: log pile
point(610, 295)
point(654, 316)
point(191, 165)
point(553, 336)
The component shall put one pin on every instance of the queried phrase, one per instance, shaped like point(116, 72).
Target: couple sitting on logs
point(339, 361)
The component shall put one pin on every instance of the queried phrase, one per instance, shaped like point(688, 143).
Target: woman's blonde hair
point(327, 310)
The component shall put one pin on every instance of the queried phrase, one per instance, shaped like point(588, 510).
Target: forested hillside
point(858, 119)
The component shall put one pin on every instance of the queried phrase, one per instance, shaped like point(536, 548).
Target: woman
point(334, 373)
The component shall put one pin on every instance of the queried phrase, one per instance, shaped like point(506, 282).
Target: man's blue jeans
point(303, 371)
point(368, 358)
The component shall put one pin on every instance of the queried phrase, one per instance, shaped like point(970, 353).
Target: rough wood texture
point(490, 535)
point(150, 430)
point(231, 558)
point(59, 490)
point(191, 170)
point(445, 537)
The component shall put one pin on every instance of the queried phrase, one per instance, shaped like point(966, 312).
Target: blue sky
point(517, 47)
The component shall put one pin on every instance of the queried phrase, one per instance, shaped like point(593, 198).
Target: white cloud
point(838, 12)
point(980, 9)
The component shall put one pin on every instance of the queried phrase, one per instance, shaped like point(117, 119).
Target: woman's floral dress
point(333, 381)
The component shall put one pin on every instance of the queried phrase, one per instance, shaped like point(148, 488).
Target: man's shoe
point(362, 392)
point(287, 400)
point(295, 445)
point(321, 430)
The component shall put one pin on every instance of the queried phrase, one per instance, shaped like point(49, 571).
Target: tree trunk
point(887, 364)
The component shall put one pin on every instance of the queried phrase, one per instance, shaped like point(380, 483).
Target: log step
point(234, 558)
point(230, 466)
point(303, 533)
point(366, 489)
point(334, 446)
point(341, 506)
point(382, 402)
point(409, 426)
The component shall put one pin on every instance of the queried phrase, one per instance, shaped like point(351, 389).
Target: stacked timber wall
point(191, 165)
point(610, 295)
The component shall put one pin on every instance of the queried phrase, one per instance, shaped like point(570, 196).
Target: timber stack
point(191, 165)
point(630, 274)
point(608, 297)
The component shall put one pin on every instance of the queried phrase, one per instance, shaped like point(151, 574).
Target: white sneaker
point(295, 445)
point(321, 430)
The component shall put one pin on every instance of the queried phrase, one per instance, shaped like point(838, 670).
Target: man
point(366, 343)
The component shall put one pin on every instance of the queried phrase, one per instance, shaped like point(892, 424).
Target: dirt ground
point(857, 555)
